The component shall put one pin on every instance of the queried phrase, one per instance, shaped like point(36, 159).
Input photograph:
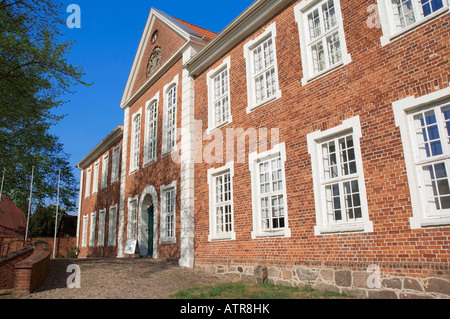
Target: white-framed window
point(221, 219)
point(397, 17)
point(425, 131)
point(151, 130)
point(135, 142)
point(168, 213)
point(270, 216)
point(132, 232)
point(262, 69)
point(112, 222)
point(322, 37)
point(95, 177)
point(105, 167)
point(85, 230)
point(170, 117)
point(101, 227)
point(218, 81)
point(338, 177)
point(115, 170)
point(92, 229)
point(87, 190)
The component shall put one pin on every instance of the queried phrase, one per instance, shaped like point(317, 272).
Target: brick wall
point(7, 271)
point(31, 272)
point(416, 64)
point(103, 199)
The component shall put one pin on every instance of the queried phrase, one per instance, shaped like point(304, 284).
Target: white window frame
point(101, 227)
point(278, 151)
point(87, 190)
point(133, 223)
point(85, 230)
point(112, 224)
point(315, 141)
point(167, 88)
point(105, 168)
point(213, 174)
point(95, 177)
point(115, 169)
point(163, 235)
point(93, 222)
point(151, 141)
point(249, 47)
point(135, 155)
point(391, 32)
point(404, 110)
point(302, 10)
point(211, 77)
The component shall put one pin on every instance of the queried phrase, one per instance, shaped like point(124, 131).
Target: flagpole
point(56, 217)
point(29, 203)
point(1, 188)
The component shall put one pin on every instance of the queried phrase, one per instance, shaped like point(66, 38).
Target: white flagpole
point(29, 203)
point(1, 188)
point(56, 217)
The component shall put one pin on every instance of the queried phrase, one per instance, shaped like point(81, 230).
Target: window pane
point(329, 15)
point(334, 48)
point(430, 6)
point(318, 56)
point(437, 185)
point(314, 24)
point(403, 13)
point(427, 133)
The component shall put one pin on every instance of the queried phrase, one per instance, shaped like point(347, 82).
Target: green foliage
point(246, 290)
point(34, 76)
point(42, 222)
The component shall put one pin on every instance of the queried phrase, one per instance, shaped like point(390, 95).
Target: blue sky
point(105, 47)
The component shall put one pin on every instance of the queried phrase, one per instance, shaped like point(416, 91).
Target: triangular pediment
point(162, 39)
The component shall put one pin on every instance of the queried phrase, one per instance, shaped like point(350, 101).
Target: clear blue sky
point(105, 47)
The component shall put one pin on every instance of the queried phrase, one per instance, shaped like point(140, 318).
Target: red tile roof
point(199, 30)
point(12, 219)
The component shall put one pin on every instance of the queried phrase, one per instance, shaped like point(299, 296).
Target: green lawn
point(246, 290)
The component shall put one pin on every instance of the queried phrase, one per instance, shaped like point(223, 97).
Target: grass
point(247, 290)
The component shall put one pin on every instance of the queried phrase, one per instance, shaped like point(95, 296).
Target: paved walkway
point(141, 278)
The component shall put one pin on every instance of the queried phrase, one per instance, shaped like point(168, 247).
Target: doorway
point(150, 230)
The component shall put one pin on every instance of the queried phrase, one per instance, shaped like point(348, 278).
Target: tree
point(42, 222)
point(34, 77)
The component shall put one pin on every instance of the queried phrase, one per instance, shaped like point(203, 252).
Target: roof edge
point(246, 23)
point(105, 144)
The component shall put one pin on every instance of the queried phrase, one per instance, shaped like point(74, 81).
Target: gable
point(155, 52)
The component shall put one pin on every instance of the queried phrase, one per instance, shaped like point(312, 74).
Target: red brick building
point(313, 146)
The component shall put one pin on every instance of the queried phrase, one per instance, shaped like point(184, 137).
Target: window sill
point(344, 228)
point(134, 170)
point(212, 129)
point(168, 240)
point(345, 60)
point(441, 221)
point(224, 237)
point(387, 39)
point(256, 106)
point(269, 234)
point(149, 162)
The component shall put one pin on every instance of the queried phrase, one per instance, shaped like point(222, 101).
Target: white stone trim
point(401, 110)
point(212, 173)
point(301, 11)
point(314, 149)
point(253, 160)
point(270, 32)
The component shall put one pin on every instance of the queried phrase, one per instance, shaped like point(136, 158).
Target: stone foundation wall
point(362, 284)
